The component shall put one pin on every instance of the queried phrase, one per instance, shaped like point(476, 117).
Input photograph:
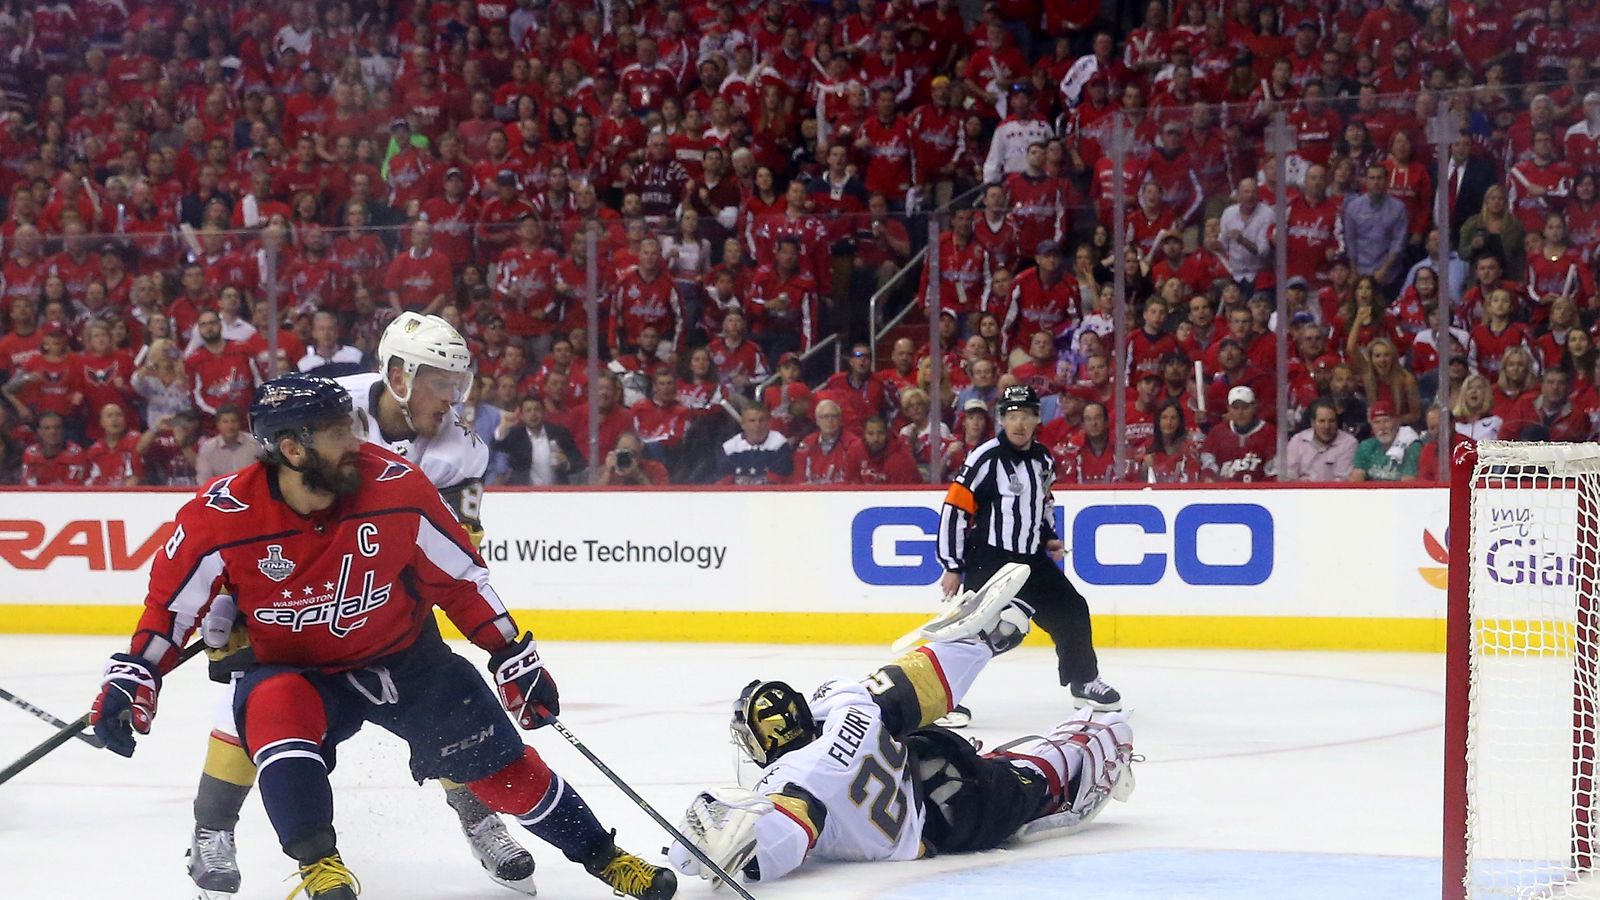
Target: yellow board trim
point(1219, 632)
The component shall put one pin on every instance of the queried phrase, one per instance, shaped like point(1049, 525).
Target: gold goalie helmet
point(771, 718)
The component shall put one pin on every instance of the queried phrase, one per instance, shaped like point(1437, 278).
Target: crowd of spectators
point(198, 196)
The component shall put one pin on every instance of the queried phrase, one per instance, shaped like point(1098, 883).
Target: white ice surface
point(1268, 775)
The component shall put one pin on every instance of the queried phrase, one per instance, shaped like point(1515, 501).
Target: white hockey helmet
point(418, 340)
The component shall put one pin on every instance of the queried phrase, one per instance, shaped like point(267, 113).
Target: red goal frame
point(1458, 684)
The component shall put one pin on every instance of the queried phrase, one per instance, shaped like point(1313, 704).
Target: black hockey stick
point(74, 728)
point(633, 795)
point(25, 706)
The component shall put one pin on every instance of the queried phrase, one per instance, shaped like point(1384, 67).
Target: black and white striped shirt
point(1001, 498)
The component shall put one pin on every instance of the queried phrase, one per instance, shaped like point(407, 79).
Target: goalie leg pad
point(1087, 759)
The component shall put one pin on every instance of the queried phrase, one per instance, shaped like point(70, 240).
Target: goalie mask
point(770, 719)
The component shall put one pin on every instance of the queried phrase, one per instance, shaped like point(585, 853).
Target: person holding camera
point(627, 465)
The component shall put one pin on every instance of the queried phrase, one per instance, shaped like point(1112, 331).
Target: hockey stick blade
point(90, 739)
point(76, 727)
point(643, 804)
point(969, 611)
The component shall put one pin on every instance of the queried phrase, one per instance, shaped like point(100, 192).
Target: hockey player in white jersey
point(408, 408)
point(857, 774)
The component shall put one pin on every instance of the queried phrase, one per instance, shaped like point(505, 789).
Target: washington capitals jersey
point(331, 591)
point(454, 459)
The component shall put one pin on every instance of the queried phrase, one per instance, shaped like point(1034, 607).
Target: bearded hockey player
point(857, 774)
point(408, 409)
point(335, 552)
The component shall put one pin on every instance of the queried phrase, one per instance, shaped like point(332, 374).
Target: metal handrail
point(820, 345)
point(915, 261)
point(877, 297)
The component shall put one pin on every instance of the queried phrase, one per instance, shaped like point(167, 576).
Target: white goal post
point(1522, 672)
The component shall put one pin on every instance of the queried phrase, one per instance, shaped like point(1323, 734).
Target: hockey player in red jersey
point(335, 552)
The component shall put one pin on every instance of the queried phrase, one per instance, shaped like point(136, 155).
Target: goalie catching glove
point(127, 702)
point(722, 824)
point(526, 690)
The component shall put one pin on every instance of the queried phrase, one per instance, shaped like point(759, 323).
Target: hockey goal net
point(1523, 658)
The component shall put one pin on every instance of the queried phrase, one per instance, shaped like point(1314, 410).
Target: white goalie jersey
point(846, 795)
point(454, 460)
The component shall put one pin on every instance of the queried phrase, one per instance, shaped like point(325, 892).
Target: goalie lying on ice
point(858, 774)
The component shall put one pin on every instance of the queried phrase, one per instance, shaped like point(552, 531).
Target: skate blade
point(524, 886)
point(954, 719)
point(1085, 703)
point(204, 894)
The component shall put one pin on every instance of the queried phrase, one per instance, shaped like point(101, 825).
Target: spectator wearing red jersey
point(646, 295)
point(1170, 455)
point(858, 394)
point(660, 420)
point(106, 374)
point(937, 140)
point(25, 339)
point(1087, 456)
point(660, 181)
point(1316, 230)
point(499, 214)
point(453, 217)
point(419, 279)
point(614, 417)
point(821, 457)
point(900, 374)
point(996, 230)
point(881, 458)
point(1151, 342)
point(1042, 298)
point(1041, 371)
point(51, 382)
point(885, 140)
point(1540, 184)
point(737, 360)
point(53, 460)
point(1038, 200)
point(963, 268)
point(757, 454)
point(1518, 380)
point(1549, 415)
point(783, 307)
point(1244, 447)
point(1233, 370)
point(220, 370)
point(1490, 341)
point(524, 285)
point(114, 460)
point(1557, 270)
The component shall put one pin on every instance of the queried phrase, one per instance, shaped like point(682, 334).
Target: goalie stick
point(29, 708)
point(76, 727)
point(633, 795)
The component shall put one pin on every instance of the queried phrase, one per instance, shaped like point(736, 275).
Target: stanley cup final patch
point(274, 566)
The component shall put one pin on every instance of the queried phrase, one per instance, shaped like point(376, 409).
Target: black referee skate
point(214, 863)
point(629, 875)
point(1096, 694)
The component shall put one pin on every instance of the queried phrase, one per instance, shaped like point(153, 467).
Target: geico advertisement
point(1181, 552)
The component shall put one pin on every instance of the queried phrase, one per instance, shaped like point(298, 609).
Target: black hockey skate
point(506, 861)
point(957, 717)
point(214, 863)
point(629, 875)
point(1096, 694)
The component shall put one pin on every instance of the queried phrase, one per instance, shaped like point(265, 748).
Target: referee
point(999, 510)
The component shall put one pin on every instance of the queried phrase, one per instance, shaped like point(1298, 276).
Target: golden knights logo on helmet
point(771, 718)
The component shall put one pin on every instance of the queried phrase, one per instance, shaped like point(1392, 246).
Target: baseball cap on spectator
point(1047, 248)
point(1172, 235)
point(790, 358)
point(975, 404)
point(1151, 375)
point(506, 177)
point(454, 172)
point(1230, 341)
point(1022, 87)
point(534, 392)
point(1380, 410)
point(399, 122)
point(939, 81)
point(1302, 318)
point(1241, 394)
point(1297, 281)
point(53, 328)
point(1327, 361)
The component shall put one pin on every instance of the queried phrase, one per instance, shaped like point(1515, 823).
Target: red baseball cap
point(793, 391)
point(1380, 409)
point(53, 328)
point(1327, 361)
point(790, 357)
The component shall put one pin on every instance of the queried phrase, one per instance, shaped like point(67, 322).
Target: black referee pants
point(1058, 607)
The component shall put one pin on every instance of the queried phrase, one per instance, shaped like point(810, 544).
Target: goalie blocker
point(858, 773)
